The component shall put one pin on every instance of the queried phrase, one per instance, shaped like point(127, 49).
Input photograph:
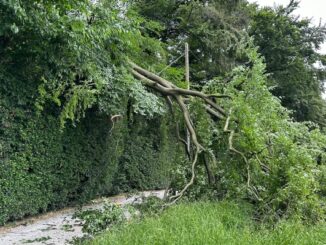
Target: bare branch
point(179, 95)
point(219, 96)
point(171, 88)
point(152, 76)
point(181, 193)
point(213, 113)
point(231, 148)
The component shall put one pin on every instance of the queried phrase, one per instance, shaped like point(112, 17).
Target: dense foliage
point(53, 150)
point(296, 69)
point(75, 123)
point(213, 29)
point(276, 165)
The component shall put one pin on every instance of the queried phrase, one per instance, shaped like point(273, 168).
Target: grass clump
point(211, 223)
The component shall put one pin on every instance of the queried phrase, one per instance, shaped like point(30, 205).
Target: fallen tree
point(180, 96)
point(263, 156)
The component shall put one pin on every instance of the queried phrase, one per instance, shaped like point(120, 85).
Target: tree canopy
point(296, 69)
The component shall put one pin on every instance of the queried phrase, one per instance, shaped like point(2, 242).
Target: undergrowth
point(211, 223)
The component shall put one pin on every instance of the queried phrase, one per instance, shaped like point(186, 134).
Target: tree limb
point(179, 95)
point(231, 148)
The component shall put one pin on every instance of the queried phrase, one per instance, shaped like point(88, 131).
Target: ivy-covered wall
point(44, 167)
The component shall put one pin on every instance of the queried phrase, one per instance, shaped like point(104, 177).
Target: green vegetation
point(213, 29)
point(211, 223)
point(56, 146)
point(266, 158)
point(289, 46)
point(93, 101)
point(96, 221)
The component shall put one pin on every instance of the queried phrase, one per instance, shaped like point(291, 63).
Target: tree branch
point(179, 95)
point(231, 148)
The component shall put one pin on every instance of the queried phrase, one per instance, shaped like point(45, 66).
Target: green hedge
point(44, 168)
point(150, 153)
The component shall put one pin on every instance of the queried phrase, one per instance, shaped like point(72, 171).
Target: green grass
point(211, 223)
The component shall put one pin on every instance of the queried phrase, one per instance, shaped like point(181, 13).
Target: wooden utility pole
point(187, 76)
point(187, 65)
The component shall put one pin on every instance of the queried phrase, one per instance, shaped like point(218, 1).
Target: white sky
point(315, 9)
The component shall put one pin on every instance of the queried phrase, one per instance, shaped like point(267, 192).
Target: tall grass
point(211, 223)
